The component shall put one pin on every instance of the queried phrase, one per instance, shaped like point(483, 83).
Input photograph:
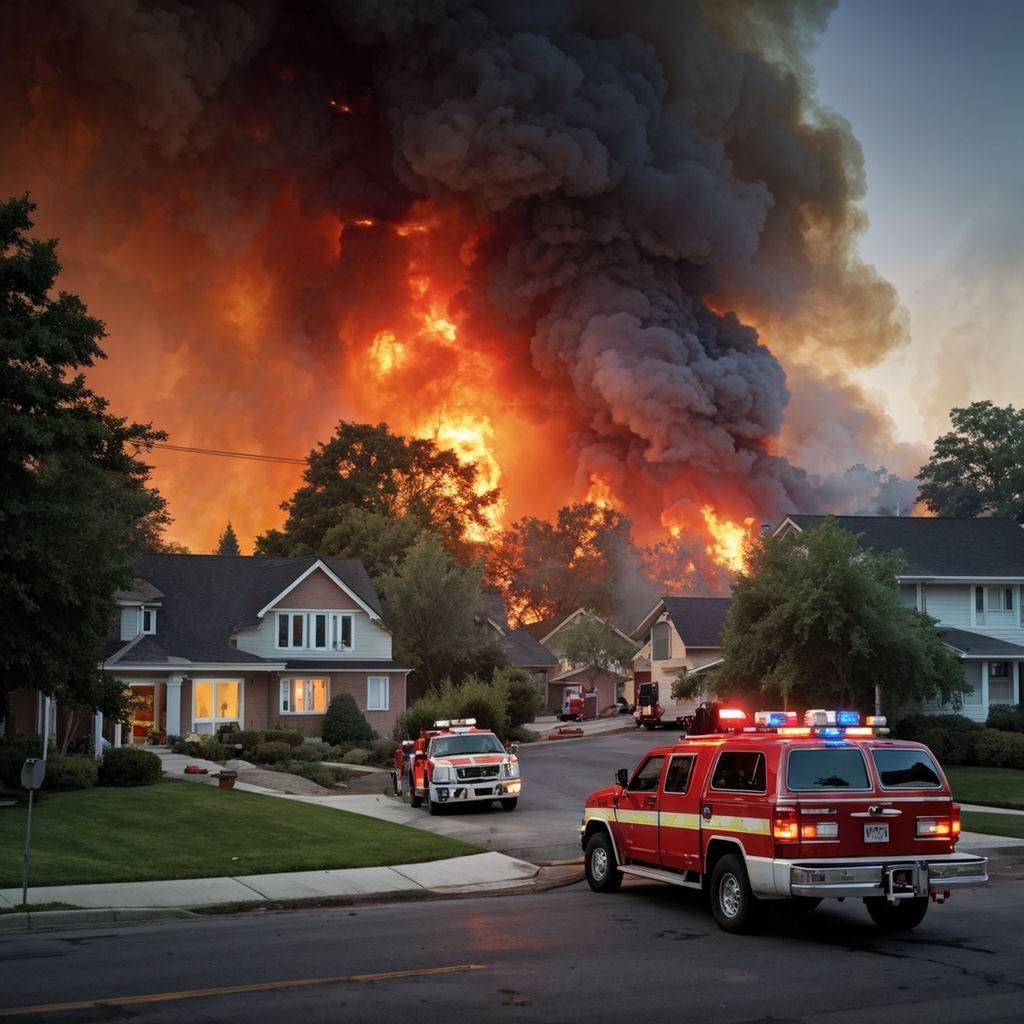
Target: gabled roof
point(207, 598)
point(491, 608)
point(937, 547)
point(698, 620)
point(547, 628)
point(524, 651)
point(976, 645)
point(142, 592)
point(541, 629)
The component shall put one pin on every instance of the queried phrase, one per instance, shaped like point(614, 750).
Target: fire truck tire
point(433, 807)
point(414, 800)
point(900, 917)
point(509, 803)
point(733, 903)
point(603, 874)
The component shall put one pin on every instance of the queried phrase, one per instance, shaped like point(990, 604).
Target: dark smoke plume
point(632, 173)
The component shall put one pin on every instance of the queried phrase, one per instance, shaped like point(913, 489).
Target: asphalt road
point(557, 778)
point(647, 952)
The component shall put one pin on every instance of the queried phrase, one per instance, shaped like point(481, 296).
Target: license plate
point(876, 833)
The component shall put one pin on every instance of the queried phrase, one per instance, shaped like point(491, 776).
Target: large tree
point(977, 468)
point(228, 543)
point(378, 540)
point(431, 603)
point(75, 505)
point(552, 568)
point(816, 621)
point(365, 466)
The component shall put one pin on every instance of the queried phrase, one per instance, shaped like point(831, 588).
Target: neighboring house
point(677, 633)
point(969, 575)
point(521, 648)
point(551, 634)
point(212, 640)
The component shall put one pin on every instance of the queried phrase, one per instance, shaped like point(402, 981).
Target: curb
point(586, 736)
point(42, 920)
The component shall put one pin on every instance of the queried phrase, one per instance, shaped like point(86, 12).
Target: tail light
point(785, 828)
point(820, 830)
point(934, 828)
point(955, 821)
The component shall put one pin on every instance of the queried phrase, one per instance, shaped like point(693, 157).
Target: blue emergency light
point(847, 718)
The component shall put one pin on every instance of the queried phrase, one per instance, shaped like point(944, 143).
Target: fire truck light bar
point(463, 721)
point(731, 715)
point(776, 718)
point(847, 718)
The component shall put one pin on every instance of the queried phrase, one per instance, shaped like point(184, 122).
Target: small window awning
point(977, 645)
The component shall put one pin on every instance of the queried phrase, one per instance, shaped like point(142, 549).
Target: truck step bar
point(689, 880)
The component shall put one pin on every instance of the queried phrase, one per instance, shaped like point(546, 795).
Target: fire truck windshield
point(469, 743)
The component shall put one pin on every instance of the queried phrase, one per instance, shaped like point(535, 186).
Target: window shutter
point(285, 688)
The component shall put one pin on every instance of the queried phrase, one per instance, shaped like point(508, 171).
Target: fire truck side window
point(741, 770)
point(646, 779)
point(677, 778)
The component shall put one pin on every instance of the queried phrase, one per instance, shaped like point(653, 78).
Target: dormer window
point(147, 620)
point(314, 631)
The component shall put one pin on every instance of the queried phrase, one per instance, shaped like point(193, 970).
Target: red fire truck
point(776, 810)
point(457, 763)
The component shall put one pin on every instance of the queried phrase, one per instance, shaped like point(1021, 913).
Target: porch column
point(174, 706)
point(1016, 682)
point(117, 734)
point(984, 688)
point(97, 735)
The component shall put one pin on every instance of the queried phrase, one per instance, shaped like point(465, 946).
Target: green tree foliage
point(74, 500)
point(345, 723)
point(551, 569)
point(590, 643)
point(473, 698)
point(366, 466)
point(378, 540)
point(816, 621)
point(525, 702)
point(978, 467)
point(228, 543)
point(430, 608)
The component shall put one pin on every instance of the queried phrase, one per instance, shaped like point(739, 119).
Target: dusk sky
point(934, 90)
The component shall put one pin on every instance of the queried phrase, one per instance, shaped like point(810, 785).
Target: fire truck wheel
point(899, 917)
point(603, 874)
point(432, 805)
point(509, 803)
point(414, 800)
point(732, 902)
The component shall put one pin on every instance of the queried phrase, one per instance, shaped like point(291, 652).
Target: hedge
point(998, 749)
point(1009, 717)
point(951, 738)
point(129, 766)
point(76, 771)
point(272, 753)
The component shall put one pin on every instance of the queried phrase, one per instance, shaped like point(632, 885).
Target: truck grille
point(490, 771)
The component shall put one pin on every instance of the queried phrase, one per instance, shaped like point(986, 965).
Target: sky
point(934, 90)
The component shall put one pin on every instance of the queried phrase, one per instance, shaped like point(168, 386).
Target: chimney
point(766, 529)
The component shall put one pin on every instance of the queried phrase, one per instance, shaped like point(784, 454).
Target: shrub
point(524, 702)
point(950, 737)
point(305, 752)
point(486, 702)
point(321, 774)
point(345, 723)
point(383, 753)
point(76, 771)
point(272, 753)
point(13, 754)
point(998, 749)
point(358, 755)
point(1009, 717)
point(289, 736)
point(129, 766)
point(248, 739)
point(523, 735)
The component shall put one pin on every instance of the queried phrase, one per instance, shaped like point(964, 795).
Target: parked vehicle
point(777, 811)
point(457, 763)
point(578, 703)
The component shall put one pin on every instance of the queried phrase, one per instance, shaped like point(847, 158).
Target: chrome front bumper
point(894, 879)
point(485, 789)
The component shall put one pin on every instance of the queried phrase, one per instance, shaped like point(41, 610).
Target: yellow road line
point(226, 990)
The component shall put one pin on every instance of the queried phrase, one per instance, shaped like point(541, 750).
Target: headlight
point(442, 774)
point(510, 769)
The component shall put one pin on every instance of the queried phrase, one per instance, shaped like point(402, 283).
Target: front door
point(637, 812)
point(144, 715)
point(679, 815)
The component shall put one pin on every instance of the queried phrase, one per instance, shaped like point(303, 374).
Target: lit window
point(303, 696)
point(215, 702)
point(377, 695)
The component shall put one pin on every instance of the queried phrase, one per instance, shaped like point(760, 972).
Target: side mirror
point(513, 748)
point(622, 777)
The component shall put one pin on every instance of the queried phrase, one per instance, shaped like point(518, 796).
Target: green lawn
point(994, 787)
point(188, 830)
point(994, 824)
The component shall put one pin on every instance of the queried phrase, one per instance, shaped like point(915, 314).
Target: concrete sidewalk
point(482, 871)
point(591, 727)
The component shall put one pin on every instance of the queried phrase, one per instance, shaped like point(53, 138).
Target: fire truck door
point(636, 815)
point(679, 815)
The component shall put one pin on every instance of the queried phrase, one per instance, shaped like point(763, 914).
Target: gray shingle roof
point(698, 620)
point(976, 645)
point(939, 547)
point(207, 597)
point(539, 630)
point(524, 651)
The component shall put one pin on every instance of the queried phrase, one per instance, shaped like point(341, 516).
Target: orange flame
point(728, 539)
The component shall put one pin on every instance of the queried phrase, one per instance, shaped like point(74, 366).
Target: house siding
point(370, 641)
point(951, 605)
point(317, 590)
point(129, 623)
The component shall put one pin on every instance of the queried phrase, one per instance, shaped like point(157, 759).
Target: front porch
point(992, 670)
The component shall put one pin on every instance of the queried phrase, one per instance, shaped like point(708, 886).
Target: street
point(565, 955)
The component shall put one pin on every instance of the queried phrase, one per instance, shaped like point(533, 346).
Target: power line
point(247, 456)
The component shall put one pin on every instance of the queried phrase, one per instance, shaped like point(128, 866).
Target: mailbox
point(33, 772)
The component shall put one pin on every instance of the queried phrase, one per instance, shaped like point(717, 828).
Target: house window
point(314, 631)
point(214, 703)
point(303, 696)
point(341, 632)
point(291, 629)
point(377, 693)
point(147, 620)
point(660, 642)
point(1000, 682)
point(994, 606)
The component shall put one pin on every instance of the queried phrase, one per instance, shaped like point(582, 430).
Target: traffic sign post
point(33, 772)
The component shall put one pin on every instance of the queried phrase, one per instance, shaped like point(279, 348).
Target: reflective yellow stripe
point(637, 817)
point(600, 813)
point(670, 819)
point(755, 826)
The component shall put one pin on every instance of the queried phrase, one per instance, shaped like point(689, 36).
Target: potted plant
point(226, 779)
